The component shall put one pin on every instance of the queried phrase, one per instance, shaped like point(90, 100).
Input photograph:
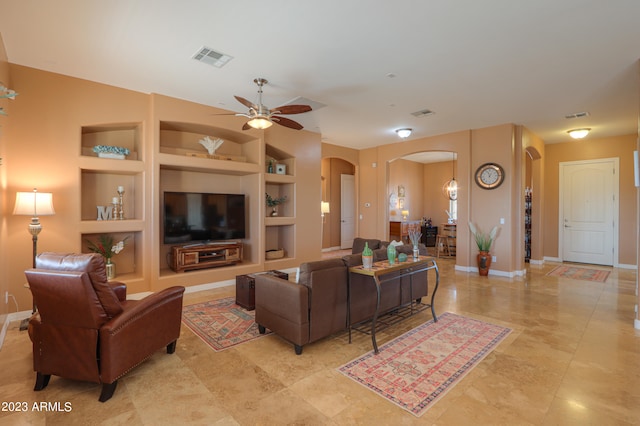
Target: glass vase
point(391, 254)
point(111, 269)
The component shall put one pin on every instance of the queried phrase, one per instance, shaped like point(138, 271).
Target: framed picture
point(401, 191)
point(281, 169)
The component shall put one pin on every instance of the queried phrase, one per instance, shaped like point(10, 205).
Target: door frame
point(616, 203)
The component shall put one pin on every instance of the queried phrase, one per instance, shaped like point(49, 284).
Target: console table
point(408, 268)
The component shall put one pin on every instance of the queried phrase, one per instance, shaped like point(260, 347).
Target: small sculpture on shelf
point(106, 151)
point(274, 202)
point(211, 145)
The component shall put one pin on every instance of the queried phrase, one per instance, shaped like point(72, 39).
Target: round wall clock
point(489, 176)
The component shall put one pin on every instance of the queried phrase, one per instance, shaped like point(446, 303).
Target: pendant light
point(450, 188)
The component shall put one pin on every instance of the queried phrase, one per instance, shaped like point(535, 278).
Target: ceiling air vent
point(422, 113)
point(577, 115)
point(211, 57)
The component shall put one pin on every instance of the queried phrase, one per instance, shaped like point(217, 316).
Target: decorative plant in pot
point(107, 248)
point(274, 202)
point(414, 237)
point(484, 242)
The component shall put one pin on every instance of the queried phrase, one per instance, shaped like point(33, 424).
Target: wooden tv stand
point(206, 255)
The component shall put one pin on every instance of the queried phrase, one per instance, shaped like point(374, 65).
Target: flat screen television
point(202, 217)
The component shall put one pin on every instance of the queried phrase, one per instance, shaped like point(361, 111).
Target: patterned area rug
point(577, 273)
point(416, 369)
point(221, 323)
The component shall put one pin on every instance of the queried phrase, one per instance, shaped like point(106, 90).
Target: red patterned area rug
point(221, 323)
point(416, 369)
point(577, 273)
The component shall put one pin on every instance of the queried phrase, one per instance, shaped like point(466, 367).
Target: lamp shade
point(324, 207)
point(34, 204)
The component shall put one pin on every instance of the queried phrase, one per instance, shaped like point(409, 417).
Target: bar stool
point(446, 241)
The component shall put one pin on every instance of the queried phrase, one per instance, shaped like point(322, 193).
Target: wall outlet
point(494, 258)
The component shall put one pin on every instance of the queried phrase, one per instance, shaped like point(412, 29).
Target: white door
point(347, 210)
point(589, 211)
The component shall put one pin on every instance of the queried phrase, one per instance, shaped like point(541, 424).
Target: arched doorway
point(416, 187)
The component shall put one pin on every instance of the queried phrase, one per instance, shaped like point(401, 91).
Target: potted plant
point(273, 202)
point(414, 237)
point(484, 242)
point(107, 248)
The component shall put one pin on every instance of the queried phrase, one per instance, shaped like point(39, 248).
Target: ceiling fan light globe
point(260, 123)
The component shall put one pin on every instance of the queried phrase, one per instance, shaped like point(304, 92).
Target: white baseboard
point(15, 316)
point(324, 250)
point(625, 266)
point(553, 259)
point(536, 262)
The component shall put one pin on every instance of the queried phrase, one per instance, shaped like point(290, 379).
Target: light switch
point(502, 221)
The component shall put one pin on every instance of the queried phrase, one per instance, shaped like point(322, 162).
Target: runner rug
point(577, 273)
point(221, 323)
point(416, 369)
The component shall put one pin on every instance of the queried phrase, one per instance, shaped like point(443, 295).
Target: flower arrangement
point(483, 240)
point(272, 202)
point(106, 247)
point(110, 150)
point(414, 237)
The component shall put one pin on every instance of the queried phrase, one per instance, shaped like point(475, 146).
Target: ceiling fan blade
point(245, 102)
point(291, 109)
point(283, 121)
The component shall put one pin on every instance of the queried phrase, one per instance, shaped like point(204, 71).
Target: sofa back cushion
point(358, 244)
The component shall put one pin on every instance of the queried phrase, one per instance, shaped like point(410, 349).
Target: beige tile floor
point(572, 359)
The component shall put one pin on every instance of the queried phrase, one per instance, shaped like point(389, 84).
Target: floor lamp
point(34, 204)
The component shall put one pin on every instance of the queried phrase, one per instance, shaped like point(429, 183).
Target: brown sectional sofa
point(316, 306)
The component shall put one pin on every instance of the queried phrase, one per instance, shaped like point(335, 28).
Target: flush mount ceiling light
point(579, 133)
point(404, 133)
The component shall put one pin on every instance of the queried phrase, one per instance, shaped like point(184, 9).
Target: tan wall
point(621, 147)
point(4, 196)
point(43, 146)
point(409, 175)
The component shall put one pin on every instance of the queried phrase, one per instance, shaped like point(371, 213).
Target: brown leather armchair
point(85, 329)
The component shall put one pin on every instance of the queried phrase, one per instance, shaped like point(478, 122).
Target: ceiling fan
point(261, 117)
